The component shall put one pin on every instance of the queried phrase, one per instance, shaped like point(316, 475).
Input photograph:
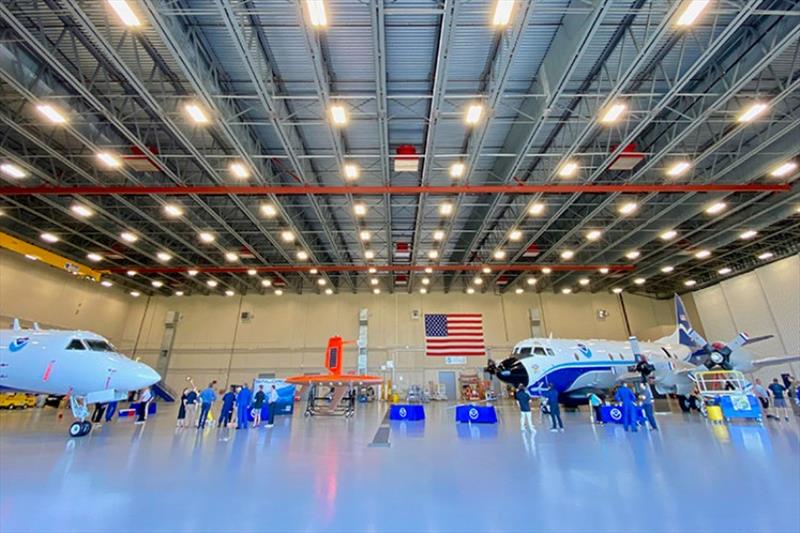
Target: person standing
point(144, 403)
point(191, 407)
point(242, 405)
point(596, 403)
point(273, 405)
point(258, 405)
point(524, 401)
point(763, 396)
point(555, 410)
point(110, 410)
point(207, 397)
point(628, 399)
point(778, 392)
point(647, 403)
point(99, 410)
point(182, 409)
point(226, 412)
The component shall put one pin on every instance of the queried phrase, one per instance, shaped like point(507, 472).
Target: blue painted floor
point(320, 475)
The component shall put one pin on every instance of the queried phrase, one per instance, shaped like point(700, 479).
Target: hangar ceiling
point(269, 115)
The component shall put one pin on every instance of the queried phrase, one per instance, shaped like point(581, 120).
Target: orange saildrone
point(341, 396)
point(334, 354)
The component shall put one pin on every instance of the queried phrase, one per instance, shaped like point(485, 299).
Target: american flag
point(454, 334)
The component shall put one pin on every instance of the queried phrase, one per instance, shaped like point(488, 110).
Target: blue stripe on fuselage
point(563, 376)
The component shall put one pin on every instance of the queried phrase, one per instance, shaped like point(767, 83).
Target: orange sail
point(334, 354)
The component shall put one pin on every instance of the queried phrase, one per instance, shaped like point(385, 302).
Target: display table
point(612, 414)
point(406, 412)
point(476, 414)
point(131, 411)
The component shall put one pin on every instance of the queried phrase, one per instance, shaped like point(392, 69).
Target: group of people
point(774, 395)
point(630, 397)
point(239, 397)
point(140, 402)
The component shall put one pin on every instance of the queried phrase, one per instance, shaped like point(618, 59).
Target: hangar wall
point(287, 334)
point(765, 301)
point(35, 292)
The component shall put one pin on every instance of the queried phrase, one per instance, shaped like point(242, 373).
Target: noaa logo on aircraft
point(403, 413)
point(585, 351)
point(473, 413)
point(615, 413)
point(18, 343)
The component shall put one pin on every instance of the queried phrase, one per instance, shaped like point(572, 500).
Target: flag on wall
point(454, 334)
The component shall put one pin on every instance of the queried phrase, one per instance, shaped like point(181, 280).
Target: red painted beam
point(292, 190)
point(365, 268)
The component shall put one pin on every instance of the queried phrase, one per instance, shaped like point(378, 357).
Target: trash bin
point(714, 413)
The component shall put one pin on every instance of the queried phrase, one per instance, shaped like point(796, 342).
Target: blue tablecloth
point(406, 412)
point(612, 414)
point(476, 414)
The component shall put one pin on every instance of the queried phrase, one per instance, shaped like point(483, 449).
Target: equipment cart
point(731, 394)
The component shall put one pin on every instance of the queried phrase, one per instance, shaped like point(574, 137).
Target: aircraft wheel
point(684, 403)
point(86, 427)
point(76, 429)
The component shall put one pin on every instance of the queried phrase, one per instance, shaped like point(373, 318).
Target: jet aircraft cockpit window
point(75, 344)
point(99, 346)
point(538, 351)
point(551, 352)
point(523, 352)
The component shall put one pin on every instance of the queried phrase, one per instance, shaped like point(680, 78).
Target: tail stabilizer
point(684, 333)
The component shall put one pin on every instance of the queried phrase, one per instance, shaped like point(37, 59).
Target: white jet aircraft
point(578, 367)
point(82, 364)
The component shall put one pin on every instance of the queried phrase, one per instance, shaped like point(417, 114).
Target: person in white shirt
point(273, 405)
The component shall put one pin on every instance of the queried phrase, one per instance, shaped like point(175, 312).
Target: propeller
point(718, 353)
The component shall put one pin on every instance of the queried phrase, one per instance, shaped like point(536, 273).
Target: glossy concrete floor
point(321, 475)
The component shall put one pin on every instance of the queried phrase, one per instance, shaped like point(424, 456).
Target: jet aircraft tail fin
point(684, 334)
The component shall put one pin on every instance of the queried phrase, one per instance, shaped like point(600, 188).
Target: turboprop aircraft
point(577, 367)
point(340, 383)
point(82, 364)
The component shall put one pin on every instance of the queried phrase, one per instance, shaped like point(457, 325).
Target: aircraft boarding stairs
point(164, 392)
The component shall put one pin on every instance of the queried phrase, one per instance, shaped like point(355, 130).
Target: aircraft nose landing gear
point(80, 427)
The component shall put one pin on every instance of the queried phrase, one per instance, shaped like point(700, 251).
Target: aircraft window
point(75, 344)
point(551, 352)
point(525, 351)
point(538, 351)
point(99, 346)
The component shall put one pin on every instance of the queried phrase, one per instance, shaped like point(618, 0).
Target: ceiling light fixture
point(531, 280)
point(131, 273)
point(667, 269)
point(547, 270)
point(668, 235)
point(470, 290)
point(12, 170)
point(751, 112)
point(568, 169)
point(499, 254)
point(514, 235)
point(536, 209)
point(716, 208)
point(369, 254)
point(567, 255)
point(81, 210)
point(433, 254)
point(49, 237)
point(339, 115)
point(229, 292)
point(93, 257)
point(784, 170)
point(477, 280)
point(457, 170)
point(603, 270)
point(239, 170)
point(617, 290)
point(266, 283)
point(633, 254)
point(351, 171)
point(316, 12)
point(613, 113)
point(360, 209)
point(438, 235)
point(428, 270)
point(372, 270)
point(678, 168)
point(639, 281)
point(178, 293)
point(502, 12)
point(365, 235)
point(423, 290)
point(206, 237)
point(164, 257)
point(301, 255)
point(766, 255)
point(106, 283)
point(584, 281)
point(702, 254)
point(173, 210)
point(628, 208)
point(268, 210)
point(593, 235)
point(473, 115)
point(157, 284)
point(109, 160)
point(486, 270)
point(51, 113)
point(192, 272)
point(426, 281)
point(196, 113)
point(519, 290)
point(723, 271)
point(212, 283)
point(287, 236)
point(749, 234)
point(252, 271)
point(690, 13)
point(135, 294)
point(566, 290)
point(278, 292)
point(125, 13)
point(129, 237)
point(690, 283)
point(328, 291)
point(445, 209)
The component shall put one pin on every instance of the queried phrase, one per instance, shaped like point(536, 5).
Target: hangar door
point(448, 379)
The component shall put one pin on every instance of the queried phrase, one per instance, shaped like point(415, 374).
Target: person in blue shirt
point(207, 397)
point(778, 399)
point(555, 410)
point(628, 399)
point(226, 412)
point(242, 405)
point(524, 401)
point(647, 403)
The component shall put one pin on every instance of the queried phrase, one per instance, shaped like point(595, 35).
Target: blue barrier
point(476, 414)
point(406, 412)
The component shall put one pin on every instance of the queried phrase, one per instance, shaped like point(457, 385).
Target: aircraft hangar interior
point(400, 265)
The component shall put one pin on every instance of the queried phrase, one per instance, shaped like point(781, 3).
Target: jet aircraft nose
point(136, 376)
point(512, 371)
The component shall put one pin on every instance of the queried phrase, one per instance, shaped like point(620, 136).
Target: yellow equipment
point(17, 400)
point(714, 413)
point(40, 254)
